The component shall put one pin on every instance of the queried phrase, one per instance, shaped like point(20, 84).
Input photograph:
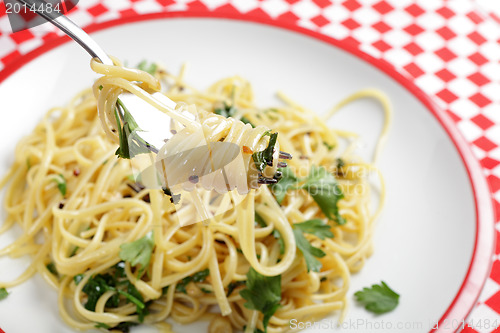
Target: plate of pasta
point(380, 209)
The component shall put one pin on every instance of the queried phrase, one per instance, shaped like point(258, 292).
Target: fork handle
point(71, 29)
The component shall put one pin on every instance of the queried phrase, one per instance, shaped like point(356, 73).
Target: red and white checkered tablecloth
point(449, 49)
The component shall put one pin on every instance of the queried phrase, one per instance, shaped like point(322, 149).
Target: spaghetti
point(67, 186)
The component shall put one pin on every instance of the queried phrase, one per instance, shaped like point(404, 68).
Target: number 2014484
point(18, 8)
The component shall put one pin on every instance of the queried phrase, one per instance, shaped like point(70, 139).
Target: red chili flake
point(247, 150)
point(76, 172)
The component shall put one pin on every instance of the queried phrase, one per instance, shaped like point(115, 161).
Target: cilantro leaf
point(138, 252)
point(288, 180)
point(378, 299)
point(3, 293)
point(309, 252)
point(315, 227)
point(150, 68)
point(263, 293)
point(323, 188)
point(265, 157)
point(61, 184)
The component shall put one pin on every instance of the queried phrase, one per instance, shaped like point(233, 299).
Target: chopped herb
point(123, 327)
point(28, 163)
point(287, 181)
point(138, 252)
point(315, 227)
point(378, 299)
point(265, 157)
point(234, 285)
point(309, 252)
point(96, 286)
point(61, 183)
point(102, 325)
point(340, 163)
point(267, 133)
point(73, 253)
point(229, 111)
point(328, 146)
point(263, 293)
point(201, 276)
point(52, 269)
point(130, 143)
point(150, 68)
point(260, 221)
point(78, 278)
point(323, 279)
point(323, 188)
point(100, 87)
point(206, 291)
point(197, 277)
point(3, 293)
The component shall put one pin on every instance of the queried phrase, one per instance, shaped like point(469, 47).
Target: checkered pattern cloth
point(449, 49)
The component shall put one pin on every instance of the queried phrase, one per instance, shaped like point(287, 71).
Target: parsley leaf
point(3, 293)
point(102, 325)
point(97, 285)
point(150, 68)
point(138, 252)
point(196, 277)
point(265, 157)
point(130, 143)
point(263, 293)
point(234, 285)
point(288, 180)
point(378, 299)
point(52, 269)
point(309, 252)
point(315, 227)
point(61, 184)
point(201, 275)
point(229, 111)
point(323, 188)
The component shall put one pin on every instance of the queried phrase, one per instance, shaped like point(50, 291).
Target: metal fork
point(154, 118)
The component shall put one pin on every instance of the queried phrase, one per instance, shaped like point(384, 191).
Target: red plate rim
point(454, 317)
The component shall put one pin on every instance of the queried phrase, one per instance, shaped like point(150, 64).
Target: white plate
point(426, 237)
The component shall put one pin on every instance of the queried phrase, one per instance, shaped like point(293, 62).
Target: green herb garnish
point(3, 293)
point(150, 68)
point(197, 277)
point(61, 183)
point(263, 293)
point(229, 111)
point(378, 299)
point(265, 157)
point(323, 188)
point(138, 252)
point(287, 181)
